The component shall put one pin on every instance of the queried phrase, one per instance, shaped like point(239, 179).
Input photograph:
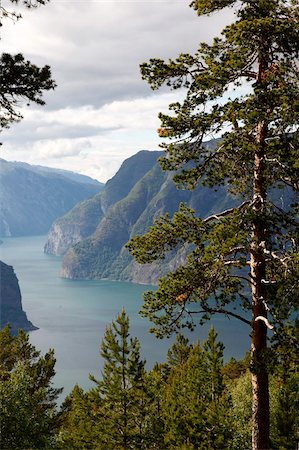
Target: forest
point(241, 262)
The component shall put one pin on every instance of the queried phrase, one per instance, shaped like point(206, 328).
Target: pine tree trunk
point(260, 386)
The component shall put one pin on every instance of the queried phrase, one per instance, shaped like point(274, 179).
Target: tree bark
point(260, 384)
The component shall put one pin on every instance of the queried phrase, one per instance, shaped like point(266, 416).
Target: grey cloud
point(32, 131)
point(95, 51)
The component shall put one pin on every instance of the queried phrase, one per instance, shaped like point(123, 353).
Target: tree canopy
point(244, 88)
point(27, 397)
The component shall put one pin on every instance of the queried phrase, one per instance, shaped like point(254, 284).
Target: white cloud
point(111, 134)
point(101, 112)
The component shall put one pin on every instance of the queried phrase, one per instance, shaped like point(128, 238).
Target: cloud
point(95, 48)
point(87, 139)
point(101, 111)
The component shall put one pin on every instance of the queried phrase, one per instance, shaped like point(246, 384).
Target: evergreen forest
point(241, 262)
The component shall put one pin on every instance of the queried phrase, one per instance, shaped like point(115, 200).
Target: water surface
point(72, 315)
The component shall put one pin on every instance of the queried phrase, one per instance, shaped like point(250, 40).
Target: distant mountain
point(66, 173)
point(11, 310)
point(92, 236)
point(32, 197)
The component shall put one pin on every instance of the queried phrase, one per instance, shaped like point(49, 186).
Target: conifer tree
point(195, 405)
point(213, 352)
point(27, 397)
point(20, 80)
point(122, 389)
point(80, 424)
point(179, 351)
point(256, 159)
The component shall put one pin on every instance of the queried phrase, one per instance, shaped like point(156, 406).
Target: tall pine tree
point(256, 159)
point(122, 389)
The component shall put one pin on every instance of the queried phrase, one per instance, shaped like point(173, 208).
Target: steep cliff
point(11, 310)
point(138, 194)
point(82, 221)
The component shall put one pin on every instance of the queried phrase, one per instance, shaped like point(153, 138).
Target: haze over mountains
point(32, 197)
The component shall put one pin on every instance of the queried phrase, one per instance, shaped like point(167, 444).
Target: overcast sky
point(101, 111)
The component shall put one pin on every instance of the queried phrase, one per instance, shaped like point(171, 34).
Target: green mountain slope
point(82, 221)
point(127, 206)
point(32, 198)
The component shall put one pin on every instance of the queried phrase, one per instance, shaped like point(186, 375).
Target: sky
point(101, 111)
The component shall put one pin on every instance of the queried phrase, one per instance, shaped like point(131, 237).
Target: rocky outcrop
point(127, 206)
point(11, 311)
point(78, 224)
point(82, 221)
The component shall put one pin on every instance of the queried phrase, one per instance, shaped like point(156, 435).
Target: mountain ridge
point(31, 199)
point(127, 211)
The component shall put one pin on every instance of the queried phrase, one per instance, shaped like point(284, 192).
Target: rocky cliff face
point(82, 221)
point(11, 310)
point(31, 197)
point(76, 225)
point(127, 206)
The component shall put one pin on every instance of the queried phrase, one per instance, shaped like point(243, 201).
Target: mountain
point(32, 197)
point(66, 173)
point(92, 236)
point(82, 221)
point(11, 310)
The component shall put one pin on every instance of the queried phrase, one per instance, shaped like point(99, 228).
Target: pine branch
point(225, 213)
point(212, 311)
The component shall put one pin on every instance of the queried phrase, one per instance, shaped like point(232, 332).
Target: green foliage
point(20, 80)
point(234, 369)
point(285, 405)
point(190, 402)
point(195, 404)
point(179, 352)
point(124, 409)
point(265, 36)
point(80, 421)
point(284, 411)
point(257, 154)
point(121, 387)
point(27, 398)
point(241, 412)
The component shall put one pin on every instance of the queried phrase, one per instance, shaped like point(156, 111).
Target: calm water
point(72, 315)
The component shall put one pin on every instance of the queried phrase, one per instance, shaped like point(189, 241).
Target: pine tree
point(27, 398)
point(179, 351)
point(122, 389)
point(20, 80)
point(195, 405)
point(80, 421)
point(256, 159)
point(213, 352)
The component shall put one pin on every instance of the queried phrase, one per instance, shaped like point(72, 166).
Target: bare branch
point(248, 74)
point(225, 213)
